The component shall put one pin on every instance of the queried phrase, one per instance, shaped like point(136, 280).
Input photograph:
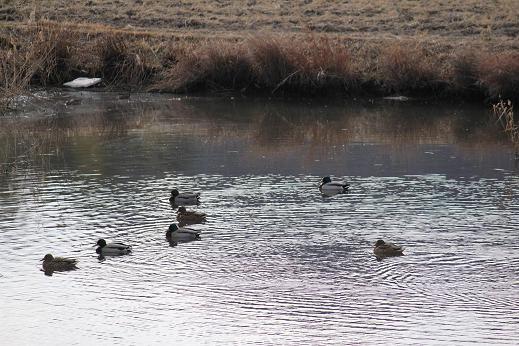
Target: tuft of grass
point(499, 75)
point(409, 69)
point(211, 66)
point(312, 66)
point(57, 49)
point(504, 113)
point(123, 62)
point(465, 73)
point(271, 62)
point(16, 70)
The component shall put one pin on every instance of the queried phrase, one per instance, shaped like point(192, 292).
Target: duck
point(186, 198)
point(175, 234)
point(189, 216)
point(383, 249)
point(112, 249)
point(51, 263)
point(328, 187)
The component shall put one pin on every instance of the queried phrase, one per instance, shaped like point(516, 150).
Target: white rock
point(82, 82)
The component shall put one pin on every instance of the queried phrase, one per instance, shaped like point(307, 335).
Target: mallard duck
point(187, 198)
point(189, 216)
point(328, 187)
point(383, 249)
point(175, 234)
point(112, 248)
point(51, 263)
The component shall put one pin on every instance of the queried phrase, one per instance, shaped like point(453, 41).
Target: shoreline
point(275, 64)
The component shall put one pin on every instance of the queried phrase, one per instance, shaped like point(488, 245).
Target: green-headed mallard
point(175, 234)
point(186, 198)
point(112, 249)
point(327, 187)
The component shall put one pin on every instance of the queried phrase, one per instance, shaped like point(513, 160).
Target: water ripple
point(276, 263)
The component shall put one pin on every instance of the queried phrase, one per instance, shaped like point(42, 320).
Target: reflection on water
point(277, 262)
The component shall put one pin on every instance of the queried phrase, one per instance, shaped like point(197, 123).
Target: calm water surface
point(277, 263)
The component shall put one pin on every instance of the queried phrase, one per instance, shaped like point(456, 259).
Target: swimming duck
point(175, 234)
point(112, 248)
point(51, 263)
point(330, 188)
point(189, 216)
point(187, 198)
point(383, 249)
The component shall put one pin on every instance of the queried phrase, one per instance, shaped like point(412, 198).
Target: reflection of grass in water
point(338, 122)
point(27, 142)
point(261, 124)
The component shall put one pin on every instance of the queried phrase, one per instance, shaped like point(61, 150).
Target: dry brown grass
point(409, 69)
point(265, 63)
point(464, 72)
point(504, 113)
point(499, 75)
point(47, 53)
point(56, 48)
point(210, 66)
point(16, 70)
point(124, 62)
point(314, 65)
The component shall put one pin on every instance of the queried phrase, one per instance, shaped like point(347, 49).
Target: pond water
point(277, 262)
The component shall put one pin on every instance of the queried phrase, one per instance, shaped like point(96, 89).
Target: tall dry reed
point(16, 70)
point(504, 114)
point(58, 50)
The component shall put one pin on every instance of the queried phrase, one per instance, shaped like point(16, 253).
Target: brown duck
point(383, 249)
point(51, 263)
point(189, 216)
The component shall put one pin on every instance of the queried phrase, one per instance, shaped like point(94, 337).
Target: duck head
point(174, 193)
point(379, 242)
point(181, 210)
point(48, 257)
point(101, 243)
point(172, 228)
point(326, 180)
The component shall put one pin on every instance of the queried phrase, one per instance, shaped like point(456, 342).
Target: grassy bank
point(49, 54)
